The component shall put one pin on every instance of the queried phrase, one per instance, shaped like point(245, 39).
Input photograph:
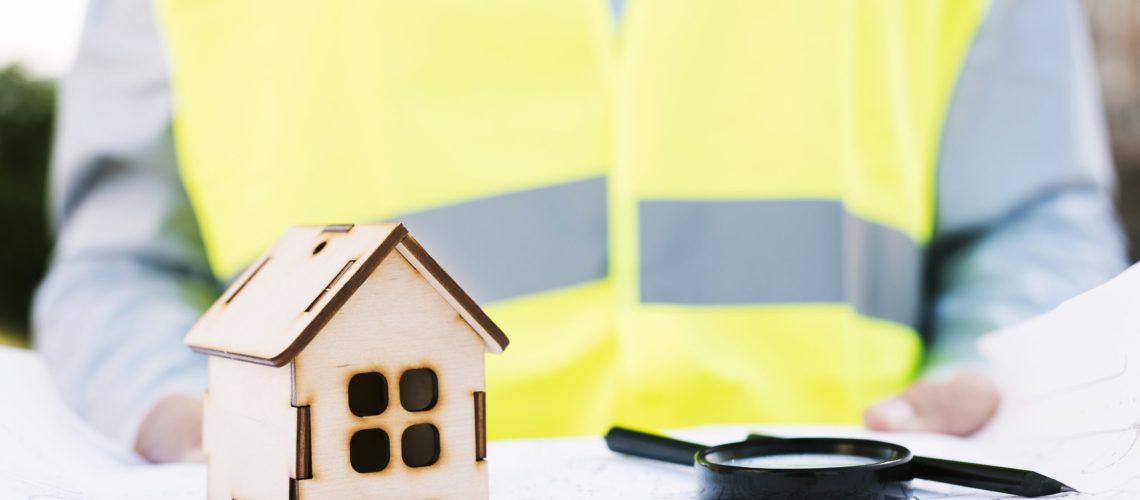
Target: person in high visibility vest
point(681, 212)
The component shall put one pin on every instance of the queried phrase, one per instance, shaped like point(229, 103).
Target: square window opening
point(367, 394)
point(368, 450)
point(419, 389)
point(420, 445)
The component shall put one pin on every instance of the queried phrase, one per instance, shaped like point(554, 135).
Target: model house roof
point(275, 308)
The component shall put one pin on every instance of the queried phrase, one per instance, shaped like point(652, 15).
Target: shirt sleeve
point(129, 275)
point(1025, 185)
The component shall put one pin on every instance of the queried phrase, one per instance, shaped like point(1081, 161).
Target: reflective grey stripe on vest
point(776, 252)
point(524, 242)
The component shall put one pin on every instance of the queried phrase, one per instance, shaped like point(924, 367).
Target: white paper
point(1070, 383)
point(47, 452)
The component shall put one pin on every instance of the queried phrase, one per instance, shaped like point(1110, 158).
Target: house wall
point(394, 322)
point(249, 435)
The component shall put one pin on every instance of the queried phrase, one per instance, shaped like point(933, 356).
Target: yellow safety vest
point(716, 213)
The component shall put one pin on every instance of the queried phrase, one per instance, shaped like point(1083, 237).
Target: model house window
point(368, 450)
point(367, 394)
point(420, 445)
point(419, 389)
point(419, 392)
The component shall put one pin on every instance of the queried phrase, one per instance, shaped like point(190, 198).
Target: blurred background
point(38, 40)
point(37, 43)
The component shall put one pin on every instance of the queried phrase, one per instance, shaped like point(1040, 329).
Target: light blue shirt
point(1025, 216)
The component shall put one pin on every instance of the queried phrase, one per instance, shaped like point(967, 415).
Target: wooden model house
point(345, 363)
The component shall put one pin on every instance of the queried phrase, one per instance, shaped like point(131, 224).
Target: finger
point(958, 406)
point(893, 414)
point(193, 455)
point(171, 431)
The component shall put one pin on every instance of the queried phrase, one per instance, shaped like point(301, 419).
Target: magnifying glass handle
point(652, 446)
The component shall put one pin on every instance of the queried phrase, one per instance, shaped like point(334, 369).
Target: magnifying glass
point(768, 467)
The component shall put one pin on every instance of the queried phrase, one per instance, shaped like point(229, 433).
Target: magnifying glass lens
point(798, 461)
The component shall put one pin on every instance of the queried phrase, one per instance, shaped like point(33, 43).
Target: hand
point(172, 431)
point(959, 406)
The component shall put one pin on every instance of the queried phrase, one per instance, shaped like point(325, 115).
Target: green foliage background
point(26, 120)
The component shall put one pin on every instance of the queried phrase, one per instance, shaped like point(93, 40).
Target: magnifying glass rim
point(794, 446)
